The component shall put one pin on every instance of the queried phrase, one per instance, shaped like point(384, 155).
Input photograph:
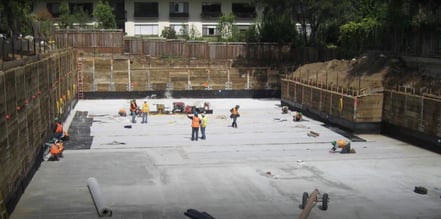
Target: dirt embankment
point(374, 71)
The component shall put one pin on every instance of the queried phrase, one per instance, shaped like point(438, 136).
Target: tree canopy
point(358, 25)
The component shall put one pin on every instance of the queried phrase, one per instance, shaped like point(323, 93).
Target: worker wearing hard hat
point(343, 144)
point(195, 123)
point(145, 112)
point(58, 129)
point(203, 126)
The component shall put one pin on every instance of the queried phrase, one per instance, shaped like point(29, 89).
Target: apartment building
point(150, 17)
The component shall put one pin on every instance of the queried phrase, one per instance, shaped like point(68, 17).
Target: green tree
point(168, 33)
point(193, 33)
point(278, 28)
point(80, 16)
point(226, 27)
point(252, 35)
point(65, 20)
point(15, 17)
point(104, 15)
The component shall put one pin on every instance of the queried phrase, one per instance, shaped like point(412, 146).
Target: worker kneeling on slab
point(343, 144)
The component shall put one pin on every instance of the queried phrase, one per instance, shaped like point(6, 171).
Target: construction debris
point(313, 134)
point(420, 190)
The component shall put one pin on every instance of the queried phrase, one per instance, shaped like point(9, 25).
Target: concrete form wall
point(413, 117)
point(356, 113)
point(32, 93)
point(137, 73)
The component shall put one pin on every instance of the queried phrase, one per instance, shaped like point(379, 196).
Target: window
point(147, 29)
point(244, 10)
point(146, 9)
point(180, 29)
point(178, 9)
point(211, 10)
point(209, 30)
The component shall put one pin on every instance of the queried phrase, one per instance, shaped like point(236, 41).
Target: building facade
point(150, 17)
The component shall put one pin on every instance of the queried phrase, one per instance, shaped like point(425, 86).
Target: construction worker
point(145, 112)
point(195, 123)
point(133, 109)
point(58, 129)
point(203, 126)
point(297, 116)
point(56, 150)
point(343, 144)
point(234, 114)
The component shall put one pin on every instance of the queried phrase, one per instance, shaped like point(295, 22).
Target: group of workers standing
point(134, 111)
point(197, 122)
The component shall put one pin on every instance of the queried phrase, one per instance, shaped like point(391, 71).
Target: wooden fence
point(89, 39)
point(255, 54)
point(250, 53)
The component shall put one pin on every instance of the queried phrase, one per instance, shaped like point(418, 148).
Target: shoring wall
point(123, 73)
point(414, 118)
point(33, 92)
point(358, 113)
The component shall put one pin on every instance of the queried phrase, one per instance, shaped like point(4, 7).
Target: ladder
point(3, 211)
point(80, 81)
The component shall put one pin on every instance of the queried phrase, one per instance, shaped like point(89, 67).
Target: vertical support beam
point(421, 122)
point(129, 85)
point(248, 80)
point(93, 75)
point(112, 84)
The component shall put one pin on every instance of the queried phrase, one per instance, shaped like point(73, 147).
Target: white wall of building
point(133, 26)
point(163, 20)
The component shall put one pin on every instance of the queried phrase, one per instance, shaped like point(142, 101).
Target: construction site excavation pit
point(258, 170)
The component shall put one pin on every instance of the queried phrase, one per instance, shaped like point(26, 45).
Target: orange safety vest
point(234, 111)
point(56, 148)
point(195, 122)
point(58, 128)
point(133, 107)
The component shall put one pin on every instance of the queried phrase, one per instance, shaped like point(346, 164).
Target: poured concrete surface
point(259, 170)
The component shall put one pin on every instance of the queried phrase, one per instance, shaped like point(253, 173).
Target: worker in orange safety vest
point(56, 150)
point(195, 123)
point(58, 129)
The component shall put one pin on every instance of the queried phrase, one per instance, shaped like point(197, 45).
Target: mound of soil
point(371, 72)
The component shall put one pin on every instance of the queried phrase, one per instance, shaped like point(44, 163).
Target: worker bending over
point(343, 144)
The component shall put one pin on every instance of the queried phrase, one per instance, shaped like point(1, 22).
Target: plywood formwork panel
point(369, 108)
point(432, 117)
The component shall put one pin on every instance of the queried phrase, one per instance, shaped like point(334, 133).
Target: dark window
point(244, 10)
point(211, 10)
point(178, 9)
point(146, 9)
point(209, 30)
point(54, 9)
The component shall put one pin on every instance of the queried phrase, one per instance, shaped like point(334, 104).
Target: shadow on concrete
point(346, 134)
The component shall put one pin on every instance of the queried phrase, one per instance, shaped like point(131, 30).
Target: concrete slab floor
point(259, 170)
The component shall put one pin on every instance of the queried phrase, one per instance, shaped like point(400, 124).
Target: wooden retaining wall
point(359, 113)
point(416, 116)
point(32, 93)
point(124, 73)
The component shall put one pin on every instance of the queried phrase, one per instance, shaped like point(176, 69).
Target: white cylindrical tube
point(98, 199)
